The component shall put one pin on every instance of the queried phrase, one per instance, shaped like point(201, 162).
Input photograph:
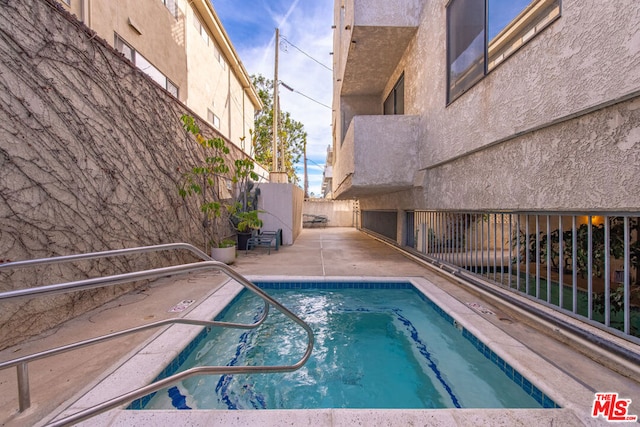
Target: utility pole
point(274, 166)
point(306, 177)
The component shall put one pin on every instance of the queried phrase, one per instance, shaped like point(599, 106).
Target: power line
point(300, 93)
point(304, 53)
point(309, 98)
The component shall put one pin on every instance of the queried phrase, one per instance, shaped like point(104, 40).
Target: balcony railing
point(586, 265)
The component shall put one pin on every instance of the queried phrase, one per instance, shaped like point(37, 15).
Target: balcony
point(378, 155)
point(374, 37)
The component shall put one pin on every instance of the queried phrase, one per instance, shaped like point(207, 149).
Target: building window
point(480, 35)
point(213, 119)
point(219, 57)
point(201, 29)
point(172, 6)
point(144, 65)
point(394, 104)
point(172, 88)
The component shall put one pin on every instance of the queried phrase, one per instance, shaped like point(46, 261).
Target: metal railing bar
point(577, 250)
point(518, 253)
point(510, 250)
point(537, 256)
point(24, 395)
point(607, 272)
point(627, 275)
point(589, 267)
point(202, 370)
point(502, 248)
point(105, 254)
point(107, 337)
point(116, 279)
point(160, 384)
point(207, 264)
point(560, 263)
point(495, 246)
point(549, 246)
point(527, 255)
point(482, 246)
point(574, 264)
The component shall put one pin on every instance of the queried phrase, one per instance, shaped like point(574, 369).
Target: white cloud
point(307, 25)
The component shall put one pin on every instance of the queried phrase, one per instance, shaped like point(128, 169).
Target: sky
point(502, 12)
point(306, 43)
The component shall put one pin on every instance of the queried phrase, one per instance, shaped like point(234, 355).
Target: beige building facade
point(184, 48)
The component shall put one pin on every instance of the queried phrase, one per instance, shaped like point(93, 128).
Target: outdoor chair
point(310, 220)
point(265, 239)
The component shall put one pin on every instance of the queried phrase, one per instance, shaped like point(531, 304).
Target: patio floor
point(316, 252)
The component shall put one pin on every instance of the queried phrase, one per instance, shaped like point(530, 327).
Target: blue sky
point(307, 25)
point(501, 12)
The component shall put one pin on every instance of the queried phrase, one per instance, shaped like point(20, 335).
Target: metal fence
point(584, 264)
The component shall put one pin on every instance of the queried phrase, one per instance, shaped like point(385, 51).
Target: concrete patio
point(57, 381)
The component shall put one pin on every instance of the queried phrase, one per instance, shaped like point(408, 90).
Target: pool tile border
point(545, 401)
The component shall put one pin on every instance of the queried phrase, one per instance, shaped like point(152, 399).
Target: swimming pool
point(378, 345)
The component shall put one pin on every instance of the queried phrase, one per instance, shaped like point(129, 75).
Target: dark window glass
point(465, 44)
point(388, 104)
point(482, 34)
point(394, 104)
point(399, 92)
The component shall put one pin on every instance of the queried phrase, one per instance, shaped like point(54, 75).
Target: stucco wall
point(91, 152)
point(281, 206)
point(339, 212)
point(556, 126)
point(580, 61)
point(151, 29)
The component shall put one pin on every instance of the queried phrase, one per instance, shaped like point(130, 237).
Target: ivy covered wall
point(91, 152)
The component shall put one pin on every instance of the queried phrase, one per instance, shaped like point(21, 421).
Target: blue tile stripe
point(334, 285)
point(544, 400)
point(511, 373)
point(422, 347)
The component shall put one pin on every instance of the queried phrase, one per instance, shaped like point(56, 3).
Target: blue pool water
point(387, 346)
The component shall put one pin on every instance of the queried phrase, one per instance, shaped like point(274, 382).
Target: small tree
point(204, 182)
point(291, 133)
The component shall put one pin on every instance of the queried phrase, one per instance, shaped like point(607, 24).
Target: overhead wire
point(306, 96)
point(304, 53)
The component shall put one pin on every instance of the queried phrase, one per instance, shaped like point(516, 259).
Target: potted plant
point(244, 213)
point(245, 222)
point(225, 251)
point(204, 182)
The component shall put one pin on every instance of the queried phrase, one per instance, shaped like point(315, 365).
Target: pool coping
point(133, 372)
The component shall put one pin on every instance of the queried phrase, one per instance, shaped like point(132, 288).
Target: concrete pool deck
point(58, 382)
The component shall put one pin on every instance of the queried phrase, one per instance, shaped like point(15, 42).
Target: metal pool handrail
point(207, 264)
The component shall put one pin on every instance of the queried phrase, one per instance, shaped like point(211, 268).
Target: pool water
point(375, 348)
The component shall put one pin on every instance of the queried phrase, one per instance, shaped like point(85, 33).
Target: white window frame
point(172, 5)
point(145, 65)
point(213, 119)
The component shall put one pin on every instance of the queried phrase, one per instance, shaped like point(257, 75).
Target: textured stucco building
point(547, 117)
point(182, 45)
point(481, 134)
